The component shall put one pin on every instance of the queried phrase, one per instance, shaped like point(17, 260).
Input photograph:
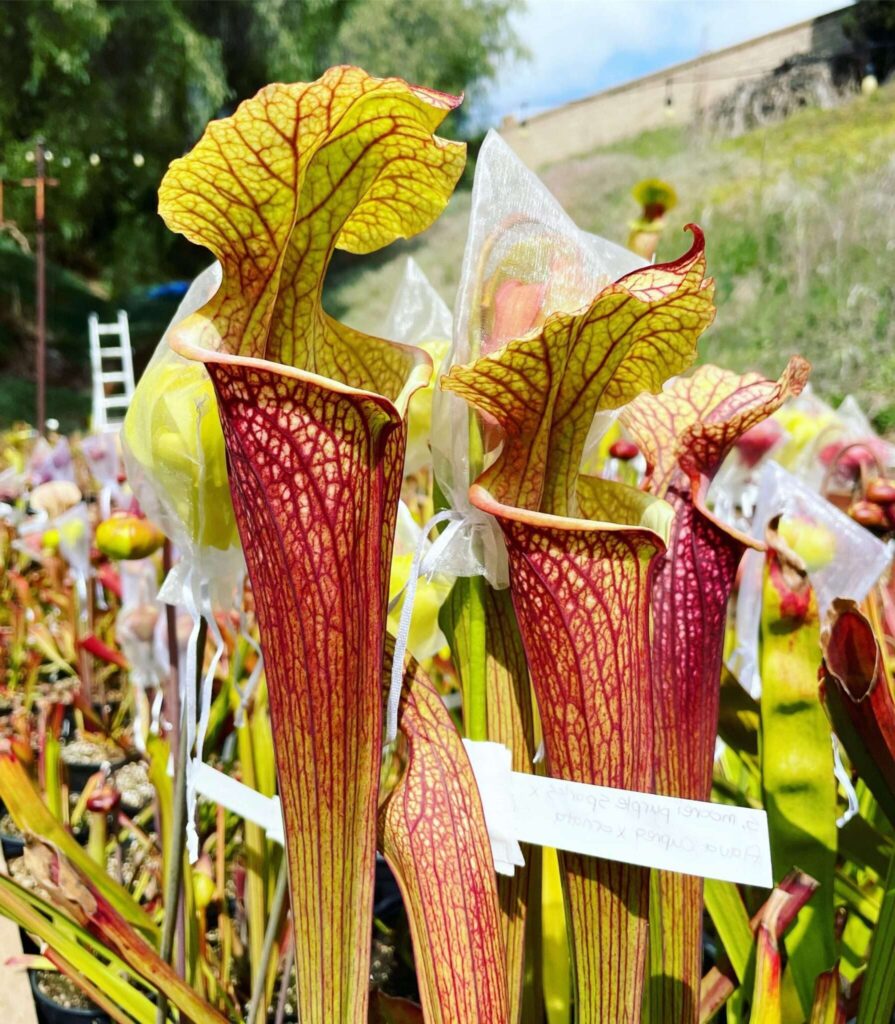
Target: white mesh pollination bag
point(176, 465)
point(851, 562)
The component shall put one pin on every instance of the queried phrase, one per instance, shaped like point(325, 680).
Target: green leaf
point(464, 620)
point(725, 905)
point(797, 761)
point(862, 844)
point(878, 992)
point(32, 815)
point(76, 892)
point(81, 952)
point(739, 716)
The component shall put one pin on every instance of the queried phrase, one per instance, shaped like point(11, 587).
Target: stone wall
point(680, 94)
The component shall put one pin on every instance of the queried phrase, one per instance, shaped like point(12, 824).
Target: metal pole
point(39, 205)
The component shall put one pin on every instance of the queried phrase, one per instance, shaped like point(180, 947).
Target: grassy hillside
point(800, 221)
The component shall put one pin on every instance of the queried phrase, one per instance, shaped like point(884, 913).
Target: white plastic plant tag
point(688, 836)
point(242, 800)
point(671, 834)
point(491, 764)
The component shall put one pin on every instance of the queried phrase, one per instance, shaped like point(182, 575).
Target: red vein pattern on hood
point(581, 586)
point(314, 491)
point(313, 416)
point(434, 836)
point(685, 433)
point(510, 721)
point(582, 600)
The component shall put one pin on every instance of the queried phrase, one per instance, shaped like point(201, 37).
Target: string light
point(139, 160)
point(94, 160)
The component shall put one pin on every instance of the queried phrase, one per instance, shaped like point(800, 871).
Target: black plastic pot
point(50, 1012)
point(148, 826)
point(105, 708)
point(78, 774)
point(132, 810)
point(13, 846)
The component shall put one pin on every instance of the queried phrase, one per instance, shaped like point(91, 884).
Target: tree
point(118, 88)
point(870, 25)
point(452, 46)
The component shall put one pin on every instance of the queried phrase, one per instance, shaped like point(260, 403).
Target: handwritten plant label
point(688, 836)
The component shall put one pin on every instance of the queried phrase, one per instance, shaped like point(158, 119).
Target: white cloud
point(572, 41)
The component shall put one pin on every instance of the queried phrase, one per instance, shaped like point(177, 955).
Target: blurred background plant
point(80, 768)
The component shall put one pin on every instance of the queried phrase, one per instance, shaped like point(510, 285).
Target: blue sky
point(582, 46)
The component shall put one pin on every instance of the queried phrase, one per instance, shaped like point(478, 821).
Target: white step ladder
point(111, 364)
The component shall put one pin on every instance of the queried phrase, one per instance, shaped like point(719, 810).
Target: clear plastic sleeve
point(419, 316)
point(524, 254)
point(101, 453)
point(849, 561)
point(51, 462)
